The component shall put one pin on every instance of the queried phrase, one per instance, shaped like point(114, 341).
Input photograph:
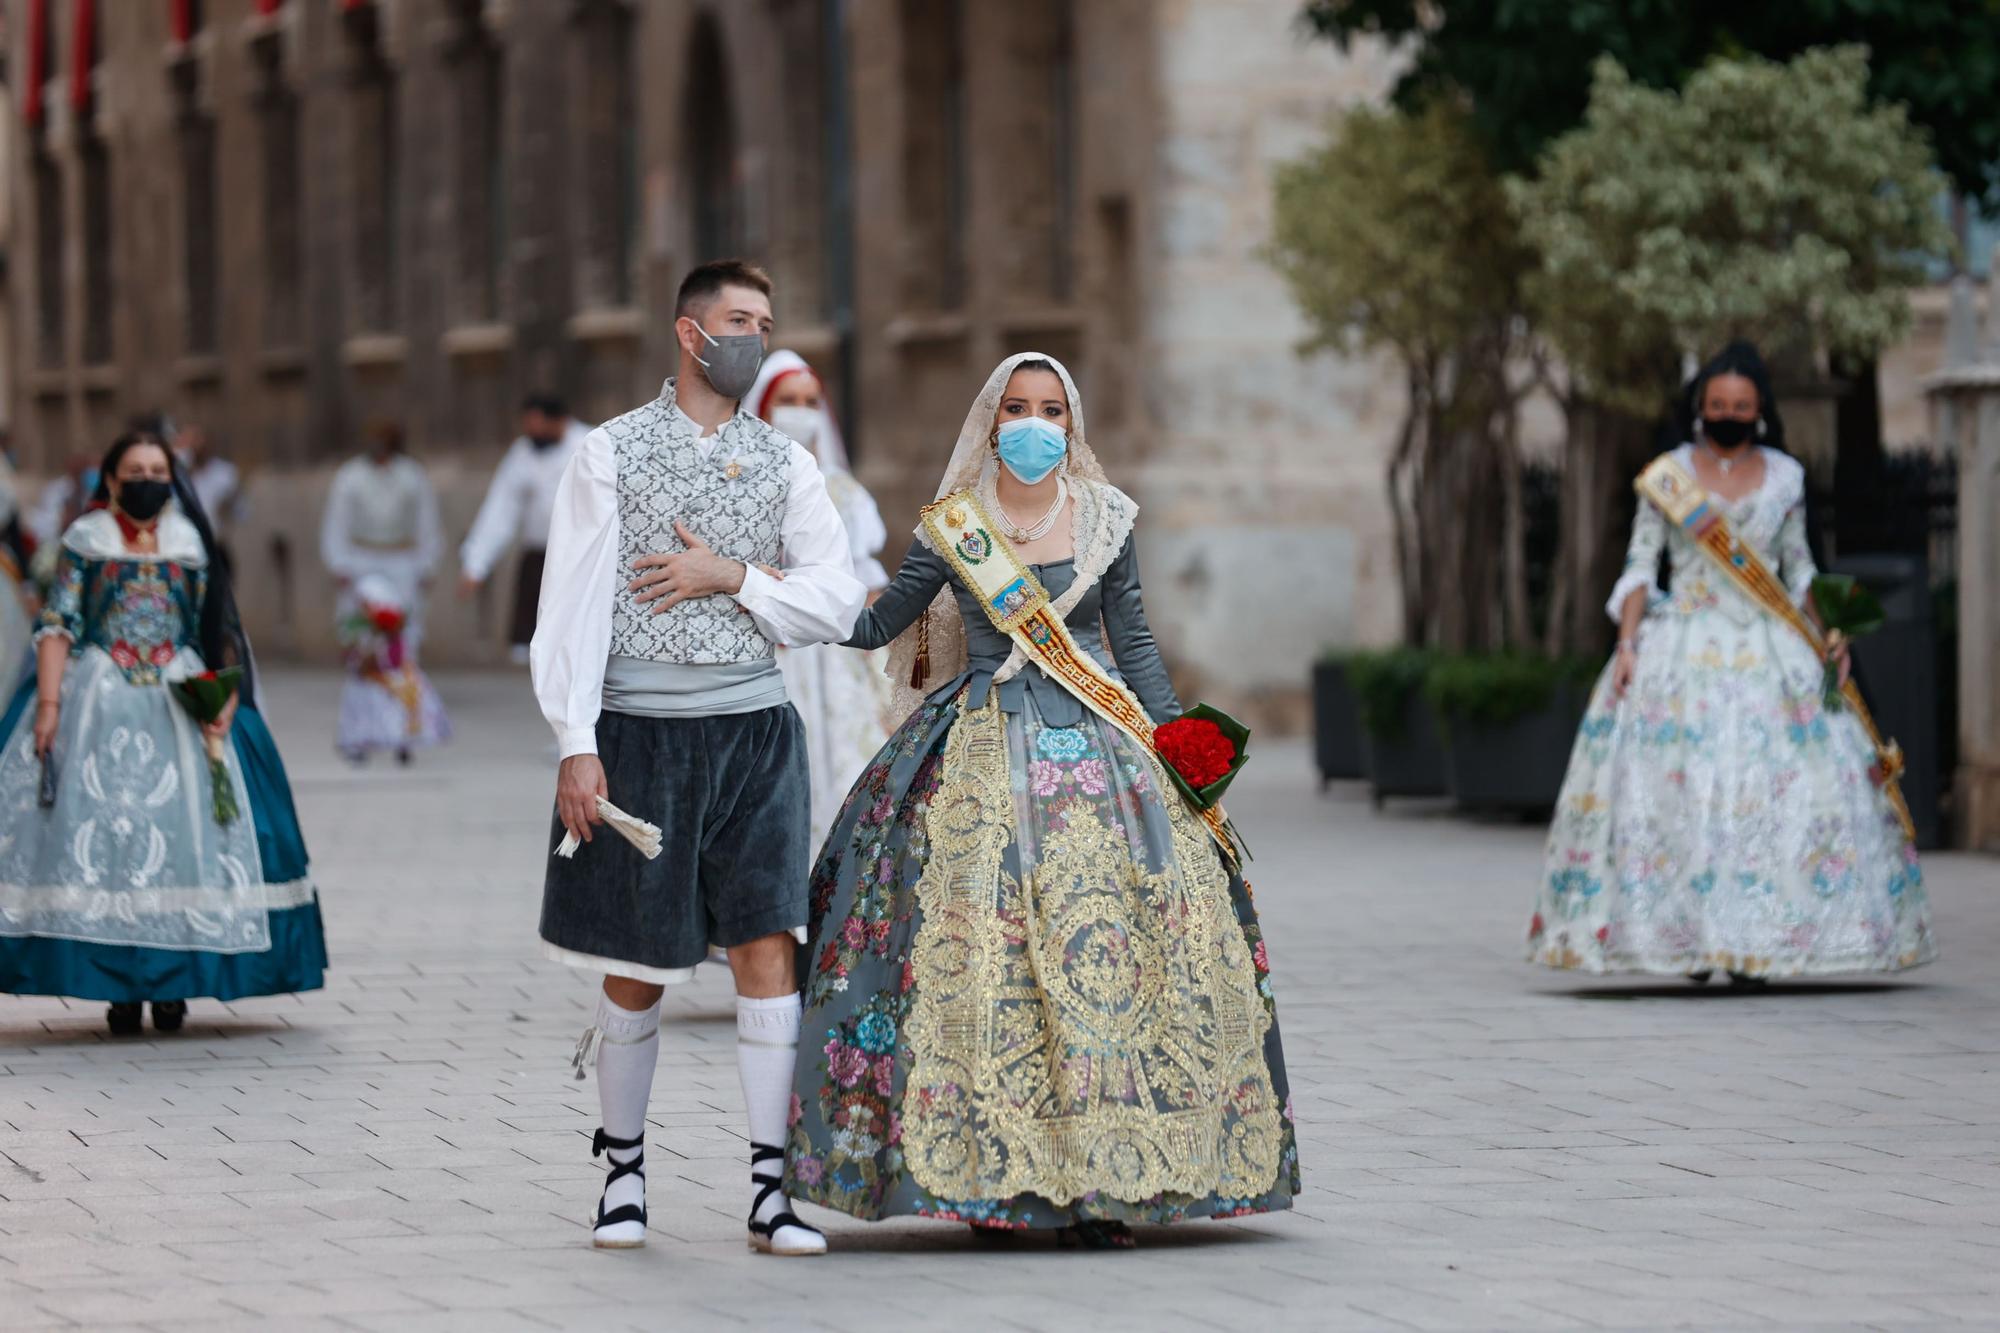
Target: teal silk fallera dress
point(127, 888)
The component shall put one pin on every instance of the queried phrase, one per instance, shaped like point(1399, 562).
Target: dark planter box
point(1413, 763)
point(1336, 724)
point(1516, 765)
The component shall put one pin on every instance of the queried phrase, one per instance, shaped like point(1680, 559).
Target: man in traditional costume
point(517, 506)
point(654, 660)
point(382, 518)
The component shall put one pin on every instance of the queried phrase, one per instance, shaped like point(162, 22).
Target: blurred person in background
point(842, 694)
point(387, 703)
point(61, 501)
point(18, 604)
point(518, 506)
point(216, 481)
point(1718, 814)
point(137, 863)
point(382, 518)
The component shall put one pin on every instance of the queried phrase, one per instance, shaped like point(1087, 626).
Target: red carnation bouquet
point(1204, 749)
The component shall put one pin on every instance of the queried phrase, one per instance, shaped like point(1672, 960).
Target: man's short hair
point(548, 404)
point(706, 282)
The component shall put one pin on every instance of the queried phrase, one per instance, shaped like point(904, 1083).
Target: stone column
point(1965, 415)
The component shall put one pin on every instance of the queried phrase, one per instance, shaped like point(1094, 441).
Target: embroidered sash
point(1014, 600)
point(1674, 490)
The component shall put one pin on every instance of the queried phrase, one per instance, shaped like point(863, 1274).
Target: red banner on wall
point(83, 50)
point(38, 59)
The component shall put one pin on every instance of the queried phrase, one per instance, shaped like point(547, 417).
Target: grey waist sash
point(645, 688)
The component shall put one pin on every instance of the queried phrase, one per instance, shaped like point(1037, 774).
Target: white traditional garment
point(55, 508)
point(382, 518)
point(1719, 817)
point(520, 502)
point(816, 600)
point(842, 694)
point(219, 487)
point(387, 703)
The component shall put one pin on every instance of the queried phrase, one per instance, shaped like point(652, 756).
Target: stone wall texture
point(422, 208)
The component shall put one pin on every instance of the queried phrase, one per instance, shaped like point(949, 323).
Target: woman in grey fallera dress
point(1038, 995)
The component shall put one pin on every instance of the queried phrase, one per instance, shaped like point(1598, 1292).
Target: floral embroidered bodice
point(1770, 518)
point(140, 610)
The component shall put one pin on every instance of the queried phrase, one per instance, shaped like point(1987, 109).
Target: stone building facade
point(284, 218)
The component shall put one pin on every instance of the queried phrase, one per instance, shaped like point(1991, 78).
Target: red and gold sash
point(1674, 490)
point(1014, 600)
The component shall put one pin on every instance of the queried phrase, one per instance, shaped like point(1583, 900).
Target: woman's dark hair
point(221, 629)
point(1739, 358)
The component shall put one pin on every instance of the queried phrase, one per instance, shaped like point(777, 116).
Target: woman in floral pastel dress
point(1038, 994)
point(1717, 816)
point(120, 879)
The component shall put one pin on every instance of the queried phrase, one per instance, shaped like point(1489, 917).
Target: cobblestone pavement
point(1485, 1146)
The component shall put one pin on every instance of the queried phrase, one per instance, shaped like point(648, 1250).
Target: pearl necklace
point(1037, 530)
point(1726, 463)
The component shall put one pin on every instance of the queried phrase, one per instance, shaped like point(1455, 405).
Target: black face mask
point(143, 500)
point(542, 442)
point(1728, 432)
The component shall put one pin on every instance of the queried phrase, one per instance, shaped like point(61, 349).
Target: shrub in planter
point(1336, 721)
point(1508, 723)
point(1401, 753)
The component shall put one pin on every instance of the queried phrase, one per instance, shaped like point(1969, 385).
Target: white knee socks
point(767, 1048)
point(627, 1052)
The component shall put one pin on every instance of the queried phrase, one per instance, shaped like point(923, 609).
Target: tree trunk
point(1605, 450)
point(1516, 632)
point(1408, 530)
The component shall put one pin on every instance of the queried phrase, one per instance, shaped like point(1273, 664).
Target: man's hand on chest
point(665, 581)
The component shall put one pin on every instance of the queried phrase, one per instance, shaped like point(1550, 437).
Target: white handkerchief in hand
point(644, 836)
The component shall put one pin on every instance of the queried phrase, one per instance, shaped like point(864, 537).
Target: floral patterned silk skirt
point(1037, 994)
point(1720, 818)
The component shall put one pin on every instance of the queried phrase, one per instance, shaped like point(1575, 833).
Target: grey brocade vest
point(662, 477)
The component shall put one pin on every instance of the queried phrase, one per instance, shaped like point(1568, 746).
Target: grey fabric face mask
point(733, 361)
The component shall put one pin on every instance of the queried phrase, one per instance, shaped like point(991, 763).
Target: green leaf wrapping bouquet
point(206, 696)
point(1848, 610)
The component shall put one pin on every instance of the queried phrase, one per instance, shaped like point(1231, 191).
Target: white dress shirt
point(816, 602)
point(519, 502)
point(376, 509)
point(218, 485)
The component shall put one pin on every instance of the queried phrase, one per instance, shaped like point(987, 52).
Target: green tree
point(1763, 200)
point(1524, 66)
point(1395, 236)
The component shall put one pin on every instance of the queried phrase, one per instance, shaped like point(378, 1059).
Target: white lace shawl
point(1101, 519)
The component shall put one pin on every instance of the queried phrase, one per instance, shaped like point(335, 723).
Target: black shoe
point(126, 1019)
point(168, 1015)
point(784, 1234)
point(403, 757)
point(1094, 1235)
point(616, 1230)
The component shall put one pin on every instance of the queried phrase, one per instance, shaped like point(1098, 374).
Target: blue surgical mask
point(1032, 448)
